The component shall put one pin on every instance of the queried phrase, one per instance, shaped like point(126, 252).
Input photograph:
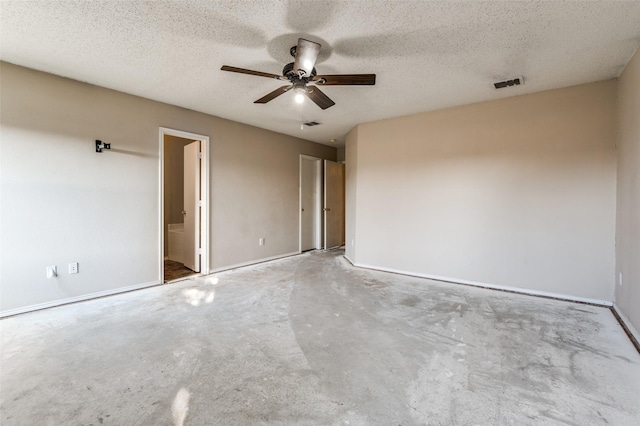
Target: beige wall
point(627, 295)
point(62, 202)
point(351, 196)
point(518, 192)
point(173, 183)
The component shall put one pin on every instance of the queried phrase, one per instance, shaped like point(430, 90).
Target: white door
point(333, 204)
point(309, 203)
point(191, 209)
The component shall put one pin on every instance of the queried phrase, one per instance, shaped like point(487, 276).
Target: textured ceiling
point(427, 54)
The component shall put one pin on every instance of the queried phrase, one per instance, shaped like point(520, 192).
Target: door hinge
point(199, 156)
point(199, 251)
point(199, 203)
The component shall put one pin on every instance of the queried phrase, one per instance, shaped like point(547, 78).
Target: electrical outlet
point(261, 241)
point(52, 272)
point(620, 279)
point(73, 268)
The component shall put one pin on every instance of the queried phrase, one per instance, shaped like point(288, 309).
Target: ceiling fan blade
point(272, 95)
point(345, 79)
point(320, 99)
point(306, 55)
point(250, 72)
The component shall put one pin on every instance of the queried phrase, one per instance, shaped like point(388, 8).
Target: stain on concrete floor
point(311, 340)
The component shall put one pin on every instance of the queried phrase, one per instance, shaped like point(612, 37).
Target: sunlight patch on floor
point(197, 297)
point(180, 407)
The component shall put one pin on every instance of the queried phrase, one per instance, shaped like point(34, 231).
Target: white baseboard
point(627, 323)
point(490, 286)
point(82, 298)
point(350, 261)
point(90, 296)
point(253, 262)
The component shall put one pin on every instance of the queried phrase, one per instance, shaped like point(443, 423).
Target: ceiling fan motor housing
point(288, 72)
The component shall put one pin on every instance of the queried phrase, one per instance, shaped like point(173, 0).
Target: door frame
point(204, 197)
point(318, 183)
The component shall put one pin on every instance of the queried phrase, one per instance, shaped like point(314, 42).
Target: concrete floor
point(310, 340)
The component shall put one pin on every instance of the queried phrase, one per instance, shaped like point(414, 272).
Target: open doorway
point(334, 204)
point(184, 204)
point(310, 203)
point(322, 213)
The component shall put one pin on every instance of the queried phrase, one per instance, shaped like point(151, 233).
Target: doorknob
point(326, 210)
point(302, 209)
point(184, 212)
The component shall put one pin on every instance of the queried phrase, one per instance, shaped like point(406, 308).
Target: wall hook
point(101, 145)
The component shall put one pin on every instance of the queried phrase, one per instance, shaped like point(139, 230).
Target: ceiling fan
point(303, 79)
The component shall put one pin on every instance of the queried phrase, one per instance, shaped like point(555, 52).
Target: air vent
point(508, 83)
point(311, 123)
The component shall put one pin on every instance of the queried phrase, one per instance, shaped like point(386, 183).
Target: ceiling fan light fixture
point(307, 64)
point(299, 92)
